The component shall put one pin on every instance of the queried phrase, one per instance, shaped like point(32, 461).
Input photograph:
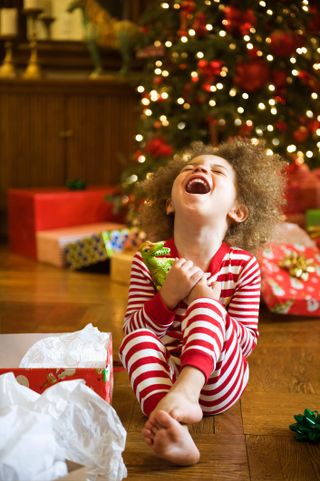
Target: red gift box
point(33, 210)
point(14, 346)
point(285, 293)
point(302, 190)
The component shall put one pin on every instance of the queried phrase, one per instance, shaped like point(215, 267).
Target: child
point(186, 345)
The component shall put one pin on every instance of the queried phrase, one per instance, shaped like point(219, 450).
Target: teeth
point(193, 181)
point(197, 185)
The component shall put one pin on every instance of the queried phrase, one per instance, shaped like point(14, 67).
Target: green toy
point(159, 266)
point(307, 427)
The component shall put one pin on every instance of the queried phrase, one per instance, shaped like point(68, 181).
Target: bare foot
point(182, 406)
point(170, 440)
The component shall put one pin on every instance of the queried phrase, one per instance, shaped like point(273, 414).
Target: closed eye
point(186, 168)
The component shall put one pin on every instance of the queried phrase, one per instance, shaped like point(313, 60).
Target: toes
point(164, 419)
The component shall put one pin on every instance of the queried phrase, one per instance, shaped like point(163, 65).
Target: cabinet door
point(31, 143)
point(101, 136)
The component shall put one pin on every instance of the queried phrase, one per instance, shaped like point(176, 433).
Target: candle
point(33, 4)
point(47, 8)
point(8, 22)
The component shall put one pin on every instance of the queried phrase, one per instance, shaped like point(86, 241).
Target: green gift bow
point(307, 427)
point(76, 184)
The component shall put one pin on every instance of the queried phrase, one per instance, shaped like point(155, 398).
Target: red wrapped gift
point(302, 190)
point(14, 346)
point(291, 279)
point(33, 210)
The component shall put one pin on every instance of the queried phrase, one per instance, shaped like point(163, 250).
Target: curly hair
point(260, 183)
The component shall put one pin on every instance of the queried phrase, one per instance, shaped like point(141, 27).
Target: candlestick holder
point(47, 21)
point(33, 70)
point(7, 69)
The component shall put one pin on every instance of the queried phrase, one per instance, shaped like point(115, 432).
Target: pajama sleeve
point(145, 308)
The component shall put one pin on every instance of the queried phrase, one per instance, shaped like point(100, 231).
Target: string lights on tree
point(218, 69)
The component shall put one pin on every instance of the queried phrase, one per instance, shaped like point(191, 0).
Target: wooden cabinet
point(53, 131)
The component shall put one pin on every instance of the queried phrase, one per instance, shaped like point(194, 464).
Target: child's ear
point(239, 213)
point(169, 207)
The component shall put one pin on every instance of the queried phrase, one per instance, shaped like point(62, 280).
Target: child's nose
point(201, 168)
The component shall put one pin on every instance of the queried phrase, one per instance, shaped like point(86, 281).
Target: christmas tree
point(217, 69)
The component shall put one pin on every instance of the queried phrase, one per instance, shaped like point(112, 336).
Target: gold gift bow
point(298, 265)
point(314, 231)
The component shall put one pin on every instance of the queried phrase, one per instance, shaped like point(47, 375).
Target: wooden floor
point(250, 442)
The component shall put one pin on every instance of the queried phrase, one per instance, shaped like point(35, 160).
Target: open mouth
point(198, 185)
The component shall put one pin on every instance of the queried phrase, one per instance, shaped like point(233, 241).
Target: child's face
point(206, 185)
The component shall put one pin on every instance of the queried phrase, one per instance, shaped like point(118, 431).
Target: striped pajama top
point(235, 269)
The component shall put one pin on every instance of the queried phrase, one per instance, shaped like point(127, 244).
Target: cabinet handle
point(65, 134)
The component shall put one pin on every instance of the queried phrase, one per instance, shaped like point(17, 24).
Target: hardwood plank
point(301, 374)
point(272, 412)
point(223, 458)
point(230, 422)
point(250, 442)
point(278, 459)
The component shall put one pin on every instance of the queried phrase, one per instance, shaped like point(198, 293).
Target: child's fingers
point(196, 275)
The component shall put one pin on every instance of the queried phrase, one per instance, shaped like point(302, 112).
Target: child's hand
point(201, 289)
point(182, 277)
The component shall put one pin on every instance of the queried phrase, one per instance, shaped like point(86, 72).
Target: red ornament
point(279, 78)
point(283, 43)
point(301, 134)
point(280, 100)
point(186, 10)
point(239, 21)
point(157, 80)
point(253, 52)
point(314, 24)
point(206, 87)
point(297, 173)
point(137, 154)
point(188, 6)
point(245, 130)
point(199, 24)
point(314, 125)
point(281, 126)
point(309, 80)
point(158, 147)
point(182, 32)
point(210, 69)
point(252, 75)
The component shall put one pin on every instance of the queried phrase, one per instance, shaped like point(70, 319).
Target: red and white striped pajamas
point(214, 337)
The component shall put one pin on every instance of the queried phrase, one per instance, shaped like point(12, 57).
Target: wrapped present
point(115, 240)
point(313, 225)
point(288, 232)
point(14, 346)
point(302, 190)
point(135, 238)
point(120, 267)
point(291, 279)
point(95, 248)
point(86, 252)
point(33, 210)
point(51, 244)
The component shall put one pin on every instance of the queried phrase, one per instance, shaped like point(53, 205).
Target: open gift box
point(14, 346)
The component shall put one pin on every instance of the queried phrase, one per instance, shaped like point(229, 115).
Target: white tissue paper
point(68, 421)
point(85, 348)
